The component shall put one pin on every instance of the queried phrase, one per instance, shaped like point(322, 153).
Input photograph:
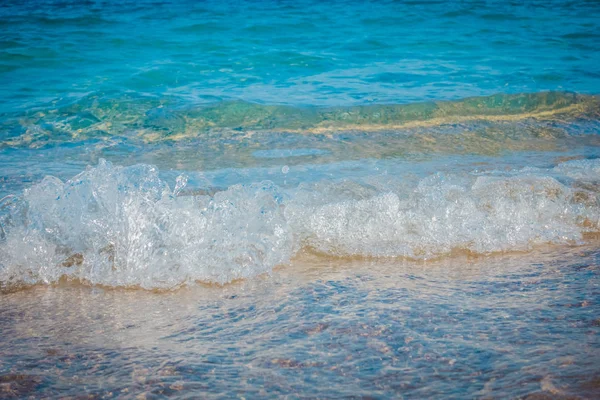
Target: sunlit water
point(507, 326)
point(267, 199)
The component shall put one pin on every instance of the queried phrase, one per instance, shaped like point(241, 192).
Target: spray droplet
point(180, 183)
point(285, 169)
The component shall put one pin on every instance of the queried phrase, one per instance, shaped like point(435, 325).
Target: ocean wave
point(121, 226)
point(124, 226)
point(138, 118)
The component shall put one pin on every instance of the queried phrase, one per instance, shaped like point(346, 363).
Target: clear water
point(266, 199)
point(487, 328)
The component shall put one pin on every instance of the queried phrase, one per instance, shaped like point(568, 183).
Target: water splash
point(124, 226)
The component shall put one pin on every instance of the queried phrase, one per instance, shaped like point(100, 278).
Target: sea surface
point(308, 199)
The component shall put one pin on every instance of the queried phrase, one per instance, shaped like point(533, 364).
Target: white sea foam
point(479, 214)
point(123, 226)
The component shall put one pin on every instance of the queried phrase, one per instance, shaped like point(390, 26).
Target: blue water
point(305, 199)
point(297, 53)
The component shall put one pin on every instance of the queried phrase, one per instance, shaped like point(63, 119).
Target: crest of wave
point(482, 214)
point(123, 226)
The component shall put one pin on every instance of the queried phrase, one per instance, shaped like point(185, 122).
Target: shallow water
point(275, 199)
point(491, 327)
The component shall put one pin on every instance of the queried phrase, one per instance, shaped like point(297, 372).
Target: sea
point(299, 199)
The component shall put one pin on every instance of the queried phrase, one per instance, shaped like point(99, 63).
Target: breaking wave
point(124, 226)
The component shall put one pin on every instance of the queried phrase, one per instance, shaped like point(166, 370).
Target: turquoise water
point(303, 199)
point(295, 53)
